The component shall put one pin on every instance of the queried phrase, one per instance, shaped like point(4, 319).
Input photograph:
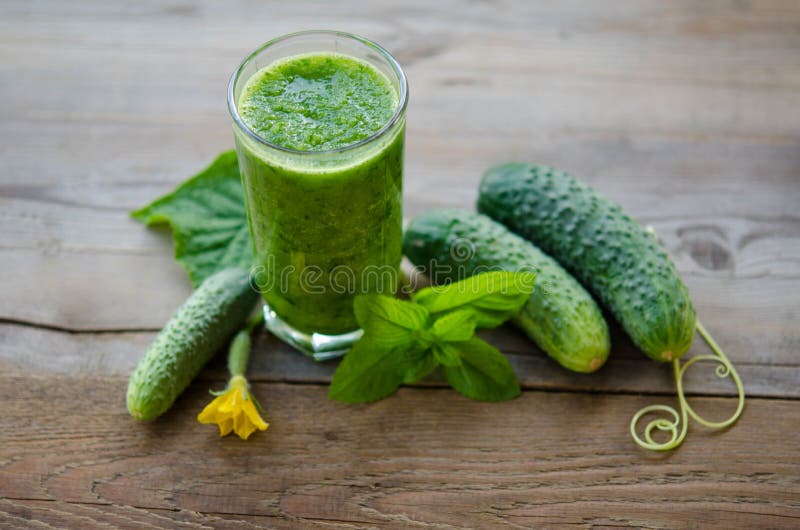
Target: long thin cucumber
point(199, 328)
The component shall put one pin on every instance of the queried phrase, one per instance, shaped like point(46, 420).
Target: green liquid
point(325, 226)
point(317, 102)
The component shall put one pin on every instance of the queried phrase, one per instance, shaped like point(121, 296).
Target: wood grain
point(542, 459)
point(686, 113)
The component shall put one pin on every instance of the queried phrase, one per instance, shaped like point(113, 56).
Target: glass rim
point(402, 100)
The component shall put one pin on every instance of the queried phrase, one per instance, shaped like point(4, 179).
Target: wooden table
point(688, 113)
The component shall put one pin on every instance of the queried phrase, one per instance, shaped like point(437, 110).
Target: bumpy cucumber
point(620, 262)
point(199, 328)
point(560, 316)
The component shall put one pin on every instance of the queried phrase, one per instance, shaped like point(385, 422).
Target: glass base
point(316, 345)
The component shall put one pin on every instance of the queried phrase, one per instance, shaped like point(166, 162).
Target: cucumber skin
point(199, 328)
point(610, 253)
point(560, 316)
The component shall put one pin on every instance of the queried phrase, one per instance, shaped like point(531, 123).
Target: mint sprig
point(405, 341)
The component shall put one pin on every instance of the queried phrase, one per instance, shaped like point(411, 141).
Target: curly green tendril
point(725, 369)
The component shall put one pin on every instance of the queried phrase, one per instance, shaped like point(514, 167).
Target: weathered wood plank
point(654, 178)
point(25, 350)
point(542, 459)
point(722, 76)
point(57, 252)
point(737, 269)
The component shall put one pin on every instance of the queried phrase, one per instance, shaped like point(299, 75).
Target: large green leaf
point(208, 220)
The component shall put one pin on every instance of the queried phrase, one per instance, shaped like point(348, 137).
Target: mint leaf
point(446, 354)
point(368, 372)
point(456, 326)
point(493, 297)
point(388, 322)
point(418, 365)
point(484, 374)
point(208, 220)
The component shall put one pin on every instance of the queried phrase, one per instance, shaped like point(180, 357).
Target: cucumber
point(560, 316)
point(199, 328)
point(614, 256)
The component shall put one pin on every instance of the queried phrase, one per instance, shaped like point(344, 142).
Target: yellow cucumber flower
point(235, 409)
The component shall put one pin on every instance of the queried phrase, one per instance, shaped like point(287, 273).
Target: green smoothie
point(324, 205)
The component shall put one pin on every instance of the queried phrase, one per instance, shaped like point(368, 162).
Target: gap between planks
point(42, 352)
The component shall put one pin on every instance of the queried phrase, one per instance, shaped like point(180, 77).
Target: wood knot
point(708, 247)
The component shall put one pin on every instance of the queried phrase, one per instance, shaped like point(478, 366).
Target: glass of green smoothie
point(319, 126)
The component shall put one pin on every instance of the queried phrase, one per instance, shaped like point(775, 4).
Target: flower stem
point(239, 350)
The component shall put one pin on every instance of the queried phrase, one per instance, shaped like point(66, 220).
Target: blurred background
point(686, 112)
